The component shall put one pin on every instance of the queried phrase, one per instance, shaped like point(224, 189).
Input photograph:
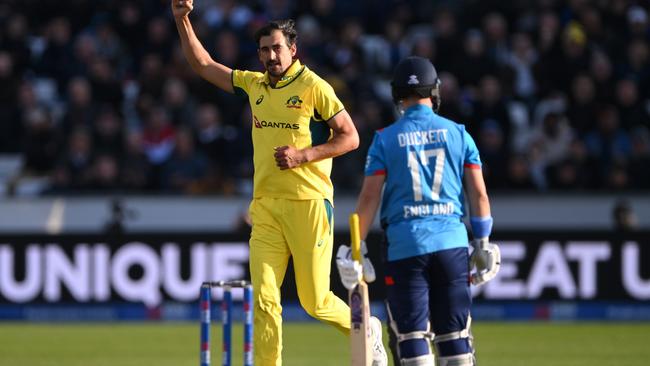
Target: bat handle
point(355, 237)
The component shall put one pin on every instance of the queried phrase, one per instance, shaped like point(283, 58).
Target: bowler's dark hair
point(287, 26)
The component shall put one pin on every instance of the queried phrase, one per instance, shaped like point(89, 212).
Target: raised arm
point(198, 58)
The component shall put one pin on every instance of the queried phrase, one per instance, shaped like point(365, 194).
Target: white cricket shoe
point(379, 357)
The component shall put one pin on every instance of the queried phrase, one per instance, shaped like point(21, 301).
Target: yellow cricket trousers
point(302, 229)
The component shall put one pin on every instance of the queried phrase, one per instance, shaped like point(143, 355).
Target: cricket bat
point(360, 337)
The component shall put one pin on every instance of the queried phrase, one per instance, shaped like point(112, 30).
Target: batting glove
point(350, 272)
point(347, 268)
point(486, 258)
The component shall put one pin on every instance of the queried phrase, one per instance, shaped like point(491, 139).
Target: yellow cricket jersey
point(294, 112)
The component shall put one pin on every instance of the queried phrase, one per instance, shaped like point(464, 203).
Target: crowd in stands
point(96, 95)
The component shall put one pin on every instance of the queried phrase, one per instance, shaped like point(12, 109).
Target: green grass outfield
point(313, 344)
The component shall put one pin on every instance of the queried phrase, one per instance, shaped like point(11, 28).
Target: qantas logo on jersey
point(271, 124)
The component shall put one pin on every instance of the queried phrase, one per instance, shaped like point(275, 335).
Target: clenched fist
point(181, 8)
point(287, 157)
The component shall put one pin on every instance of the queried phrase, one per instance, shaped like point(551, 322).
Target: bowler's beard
point(271, 71)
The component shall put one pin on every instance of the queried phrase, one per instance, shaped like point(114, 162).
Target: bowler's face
point(275, 55)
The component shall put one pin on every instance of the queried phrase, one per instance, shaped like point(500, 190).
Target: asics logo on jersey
point(413, 80)
point(294, 102)
point(259, 100)
point(271, 124)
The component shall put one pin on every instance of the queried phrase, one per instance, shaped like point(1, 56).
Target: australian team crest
point(294, 102)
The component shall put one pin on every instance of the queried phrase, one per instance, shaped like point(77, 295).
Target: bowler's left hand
point(288, 157)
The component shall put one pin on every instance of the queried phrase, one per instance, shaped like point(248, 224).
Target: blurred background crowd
point(96, 96)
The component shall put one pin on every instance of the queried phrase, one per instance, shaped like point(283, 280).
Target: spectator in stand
point(152, 76)
point(186, 170)
point(521, 59)
point(109, 45)
point(638, 26)
point(553, 135)
point(311, 40)
point(474, 64)
point(219, 143)
point(230, 104)
point(609, 143)
point(635, 66)
point(495, 29)
point(104, 175)
point(14, 39)
point(602, 74)
point(549, 50)
point(559, 66)
point(159, 139)
point(58, 59)
point(582, 109)
point(11, 130)
point(130, 25)
point(225, 14)
point(625, 220)
point(80, 109)
point(423, 47)
point(395, 47)
point(618, 178)
point(490, 105)
point(494, 153)
point(579, 171)
point(454, 107)
point(137, 171)
point(108, 132)
point(519, 176)
point(640, 158)
point(105, 85)
point(447, 38)
point(42, 141)
point(178, 102)
point(575, 54)
point(592, 21)
point(227, 46)
point(631, 110)
point(85, 53)
point(72, 171)
point(159, 39)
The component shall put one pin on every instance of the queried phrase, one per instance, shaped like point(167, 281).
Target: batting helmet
point(416, 76)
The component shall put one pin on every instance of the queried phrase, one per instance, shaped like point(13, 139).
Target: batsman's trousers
point(431, 288)
point(302, 229)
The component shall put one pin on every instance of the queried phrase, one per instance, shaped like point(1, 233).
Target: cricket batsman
point(423, 163)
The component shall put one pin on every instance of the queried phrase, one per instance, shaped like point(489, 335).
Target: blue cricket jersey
point(423, 156)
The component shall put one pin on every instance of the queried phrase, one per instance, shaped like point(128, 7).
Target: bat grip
point(355, 237)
